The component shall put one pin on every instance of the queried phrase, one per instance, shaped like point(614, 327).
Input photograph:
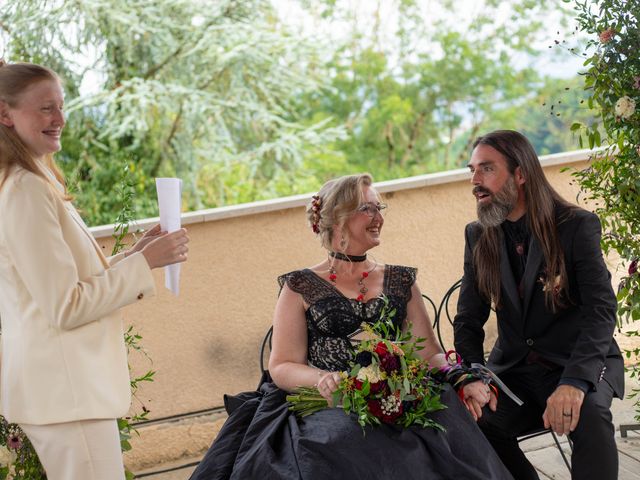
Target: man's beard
point(501, 204)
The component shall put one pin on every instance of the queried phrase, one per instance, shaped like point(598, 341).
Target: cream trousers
point(83, 450)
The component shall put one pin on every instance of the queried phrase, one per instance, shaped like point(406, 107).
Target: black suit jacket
point(578, 337)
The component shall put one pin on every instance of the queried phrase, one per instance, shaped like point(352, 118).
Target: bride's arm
point(421, 328)
point(288, 360)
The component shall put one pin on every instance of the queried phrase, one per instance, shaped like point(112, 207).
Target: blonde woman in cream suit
point(64, 375)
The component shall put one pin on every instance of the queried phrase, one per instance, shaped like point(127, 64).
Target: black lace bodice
point(331, 316)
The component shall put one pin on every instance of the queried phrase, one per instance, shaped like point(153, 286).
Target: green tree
point(413, 95)
point(546, 117)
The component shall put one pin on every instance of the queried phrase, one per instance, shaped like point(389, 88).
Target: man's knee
point(595, 454)
point(595, 417)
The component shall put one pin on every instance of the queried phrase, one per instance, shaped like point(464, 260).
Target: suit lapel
point(508, 281)
point(534, 261)
point(76, 217)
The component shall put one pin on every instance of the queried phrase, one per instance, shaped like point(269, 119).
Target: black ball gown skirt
point(262, 439)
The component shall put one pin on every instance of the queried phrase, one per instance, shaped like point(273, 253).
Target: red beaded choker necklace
point(362, 288)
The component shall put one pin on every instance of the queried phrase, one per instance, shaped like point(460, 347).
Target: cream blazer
point(63, 352)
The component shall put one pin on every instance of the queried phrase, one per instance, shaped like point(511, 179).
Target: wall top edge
point(283, 203)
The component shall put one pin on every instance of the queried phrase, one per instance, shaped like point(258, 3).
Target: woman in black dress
point(317, 311)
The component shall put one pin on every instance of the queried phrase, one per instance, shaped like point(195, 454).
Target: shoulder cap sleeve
point(290, 279)
point(400, 280)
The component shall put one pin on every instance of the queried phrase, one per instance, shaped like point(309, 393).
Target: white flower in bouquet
point(625, 107)
point(7, 457)
point(371, 373)
point(390, 404)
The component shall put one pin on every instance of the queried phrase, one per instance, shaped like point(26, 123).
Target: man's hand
point(563, 409)
point(476, 395)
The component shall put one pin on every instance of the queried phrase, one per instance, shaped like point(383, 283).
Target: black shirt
point(517, 236)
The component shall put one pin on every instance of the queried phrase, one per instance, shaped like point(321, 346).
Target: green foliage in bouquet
point(612, 180)
point(387, 381)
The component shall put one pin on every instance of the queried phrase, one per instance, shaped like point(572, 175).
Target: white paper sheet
point(169, 203)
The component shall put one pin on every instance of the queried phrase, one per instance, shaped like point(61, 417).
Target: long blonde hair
point(15, 78)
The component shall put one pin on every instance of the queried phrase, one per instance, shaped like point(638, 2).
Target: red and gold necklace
point(333, 275)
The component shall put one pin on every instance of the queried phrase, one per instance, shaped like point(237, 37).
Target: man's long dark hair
point(541, 202)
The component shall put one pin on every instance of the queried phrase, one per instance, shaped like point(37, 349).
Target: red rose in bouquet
point(381, 349)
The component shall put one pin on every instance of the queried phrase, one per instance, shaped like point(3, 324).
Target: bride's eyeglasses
point(372, 208)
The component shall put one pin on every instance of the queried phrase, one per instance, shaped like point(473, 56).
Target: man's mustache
point(479, 189)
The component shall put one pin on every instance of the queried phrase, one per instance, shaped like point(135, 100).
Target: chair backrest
point(432, 310)
point(264, 351)
point(444, 309)
point(446, 313)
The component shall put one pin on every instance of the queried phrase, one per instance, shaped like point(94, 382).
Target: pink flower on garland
point(607, 35)
point(14, 442)
point(636, 82)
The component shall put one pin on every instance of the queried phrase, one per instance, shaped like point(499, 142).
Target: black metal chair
point(434, 309)
point(544, 431)
point(443, 309)
point(265, 350)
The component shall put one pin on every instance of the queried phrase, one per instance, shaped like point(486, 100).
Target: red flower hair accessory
point(316, 206)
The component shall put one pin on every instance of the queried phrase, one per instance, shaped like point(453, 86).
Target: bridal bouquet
point(387, 381)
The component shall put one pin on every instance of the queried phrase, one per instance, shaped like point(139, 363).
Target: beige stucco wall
point(205, 342)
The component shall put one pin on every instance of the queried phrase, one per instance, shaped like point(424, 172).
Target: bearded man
point(536, 259)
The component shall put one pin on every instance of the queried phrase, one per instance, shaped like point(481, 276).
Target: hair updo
point(332, 206)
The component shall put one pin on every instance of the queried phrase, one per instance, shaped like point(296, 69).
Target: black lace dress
point(263, 440)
